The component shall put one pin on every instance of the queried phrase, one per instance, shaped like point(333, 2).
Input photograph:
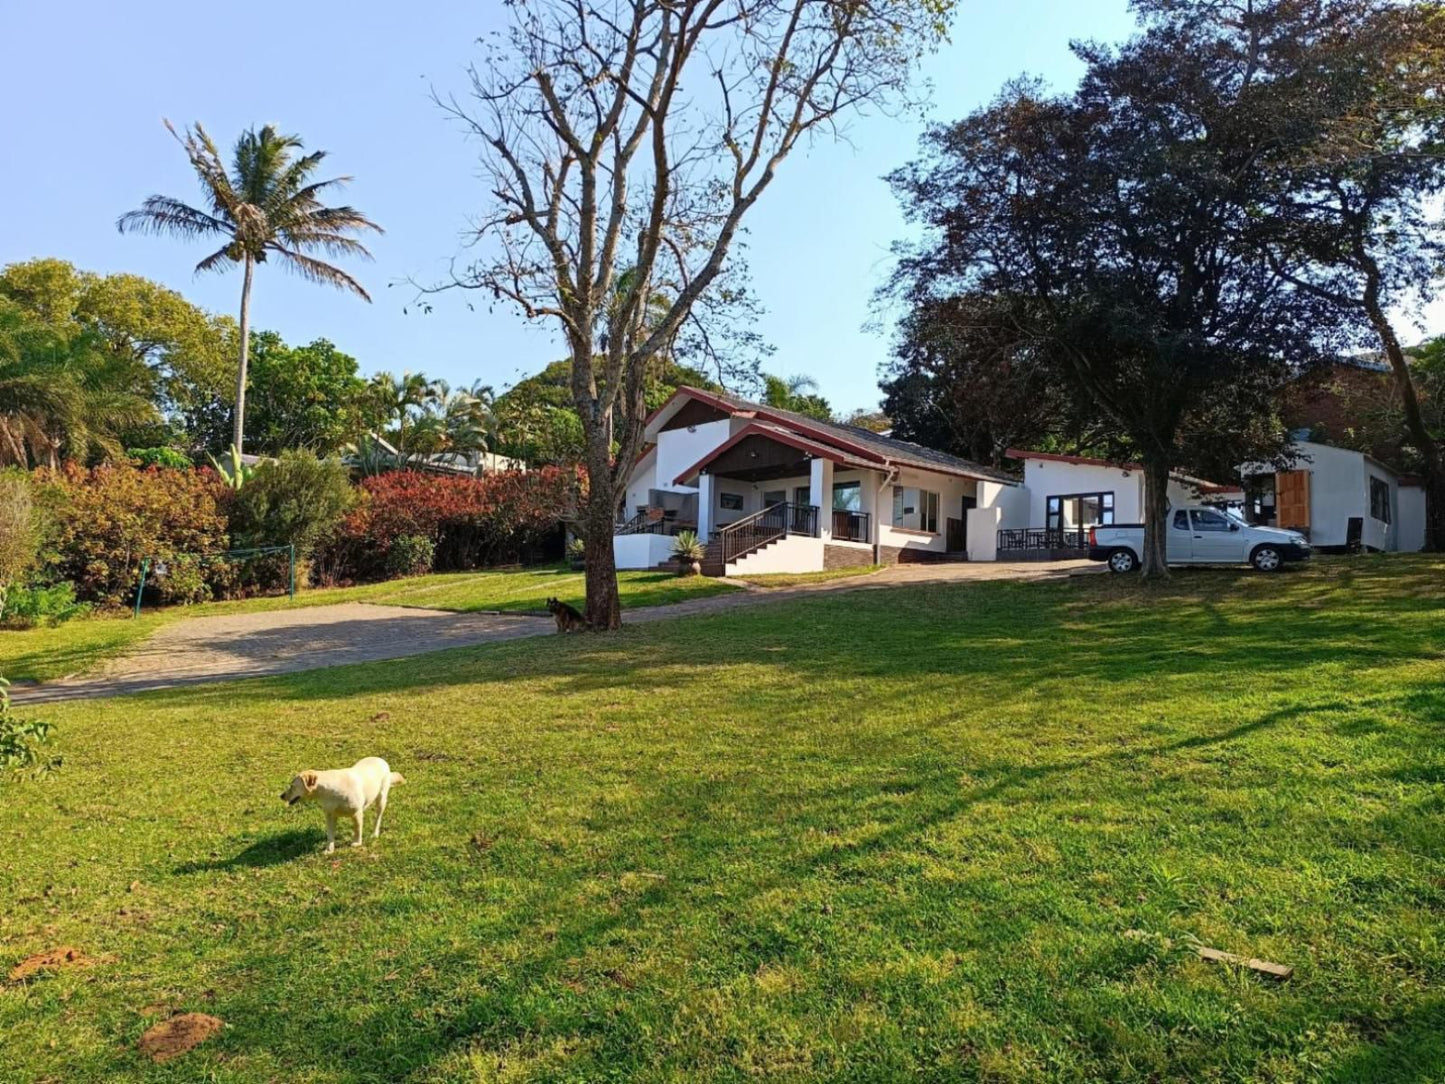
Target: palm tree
point(63, 396)
point(397, 400)
point(266, 206)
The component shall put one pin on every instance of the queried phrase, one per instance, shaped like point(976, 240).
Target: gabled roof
point(781, 435)
point(869, 448)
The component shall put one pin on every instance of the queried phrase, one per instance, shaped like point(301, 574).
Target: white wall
point(752, 495)
point(1045, 478)
point(1000, 507)
point(641, 550)
point(678, 449)
point(1337, 491)
point(638, 485)
point(796, 553)
point(950, 489)
point(1410, 518)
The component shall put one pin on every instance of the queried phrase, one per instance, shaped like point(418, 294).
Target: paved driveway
point(207, 649)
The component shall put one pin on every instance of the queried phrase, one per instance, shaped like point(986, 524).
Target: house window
point(847, 496)
point(1380, 500)
point(730, 502)
point(1079, 510)
point(915, 509)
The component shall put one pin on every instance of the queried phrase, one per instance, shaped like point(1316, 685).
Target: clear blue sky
point(82, 142)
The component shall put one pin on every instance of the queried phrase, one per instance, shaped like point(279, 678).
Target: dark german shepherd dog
point(568, 618)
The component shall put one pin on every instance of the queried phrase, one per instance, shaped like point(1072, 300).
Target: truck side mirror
point(1234, 526)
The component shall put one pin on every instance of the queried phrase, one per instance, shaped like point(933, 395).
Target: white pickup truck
point(1201, 536)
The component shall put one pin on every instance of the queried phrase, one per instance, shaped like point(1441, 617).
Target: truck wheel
point(1123, 561)
point(1266, 559)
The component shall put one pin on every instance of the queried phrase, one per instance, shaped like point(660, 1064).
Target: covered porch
point(766, 485)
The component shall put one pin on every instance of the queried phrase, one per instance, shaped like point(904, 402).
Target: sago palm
point(266, 206)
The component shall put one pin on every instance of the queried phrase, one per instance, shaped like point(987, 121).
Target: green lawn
point(802, 579)
point(876, 836)
point(45, 654)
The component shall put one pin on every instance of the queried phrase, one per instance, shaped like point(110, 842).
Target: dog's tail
point(397, 777)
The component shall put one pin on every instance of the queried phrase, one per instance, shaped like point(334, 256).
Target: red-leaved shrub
point(498, 518)
point(108, 519)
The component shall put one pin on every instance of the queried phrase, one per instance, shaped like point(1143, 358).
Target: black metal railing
point(1044, 538)
point(652, 522)
point(776, 521)
point(851, 526)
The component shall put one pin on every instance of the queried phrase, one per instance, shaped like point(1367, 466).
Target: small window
point(847, 496)
point(730, 502)
point(1210, 521)
point(1380, 500)
point(1181, 520)
point(915, 509)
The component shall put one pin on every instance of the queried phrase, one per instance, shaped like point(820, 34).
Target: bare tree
point(624, 142)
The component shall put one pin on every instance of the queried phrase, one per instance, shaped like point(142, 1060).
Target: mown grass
point(875, 836)
point(802, 579)
point(44, 654)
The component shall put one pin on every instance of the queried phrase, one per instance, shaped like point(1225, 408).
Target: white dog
point(346, 790)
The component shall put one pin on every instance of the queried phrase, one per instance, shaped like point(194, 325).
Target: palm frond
point(164, 215)
point(205, 159)
point(314, 270)
point(334, 244)
point(217, 260)
point(259, 160)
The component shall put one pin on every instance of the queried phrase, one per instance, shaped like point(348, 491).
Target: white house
point(1064, 495)
point(775, 491)
point(1340, 499)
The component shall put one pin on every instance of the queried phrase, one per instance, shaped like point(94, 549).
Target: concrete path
point(209, 649)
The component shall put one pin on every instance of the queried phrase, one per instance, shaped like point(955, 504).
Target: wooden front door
point(956, 543)
point(1292, 499)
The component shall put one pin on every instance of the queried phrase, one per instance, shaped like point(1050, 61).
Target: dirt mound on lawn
point(172, 1038)
point(53, 960)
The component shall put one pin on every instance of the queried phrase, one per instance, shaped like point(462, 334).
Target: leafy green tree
point(1111, 232)
point(797, 393)
point(63, 394)
point(172, 351)
point(266, 206)
point(303, 396)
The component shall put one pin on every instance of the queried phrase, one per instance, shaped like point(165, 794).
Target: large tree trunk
point(604, 608)
point(1154, 561)
point(1414, 421)
point(239, 428)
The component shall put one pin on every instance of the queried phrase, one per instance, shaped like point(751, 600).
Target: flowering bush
point(470, 522)
point(109, 519)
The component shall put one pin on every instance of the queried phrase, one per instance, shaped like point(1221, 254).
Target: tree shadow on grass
point(547, 950)
point(271, 851)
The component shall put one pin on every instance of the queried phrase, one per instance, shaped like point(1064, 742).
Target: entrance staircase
point(757, 532)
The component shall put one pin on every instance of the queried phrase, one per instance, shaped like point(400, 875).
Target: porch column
point(820, 494)
point(868, 503)
point(704, 507)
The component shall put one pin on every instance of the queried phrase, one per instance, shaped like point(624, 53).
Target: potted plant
point(688, 551)
point(577, 554)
